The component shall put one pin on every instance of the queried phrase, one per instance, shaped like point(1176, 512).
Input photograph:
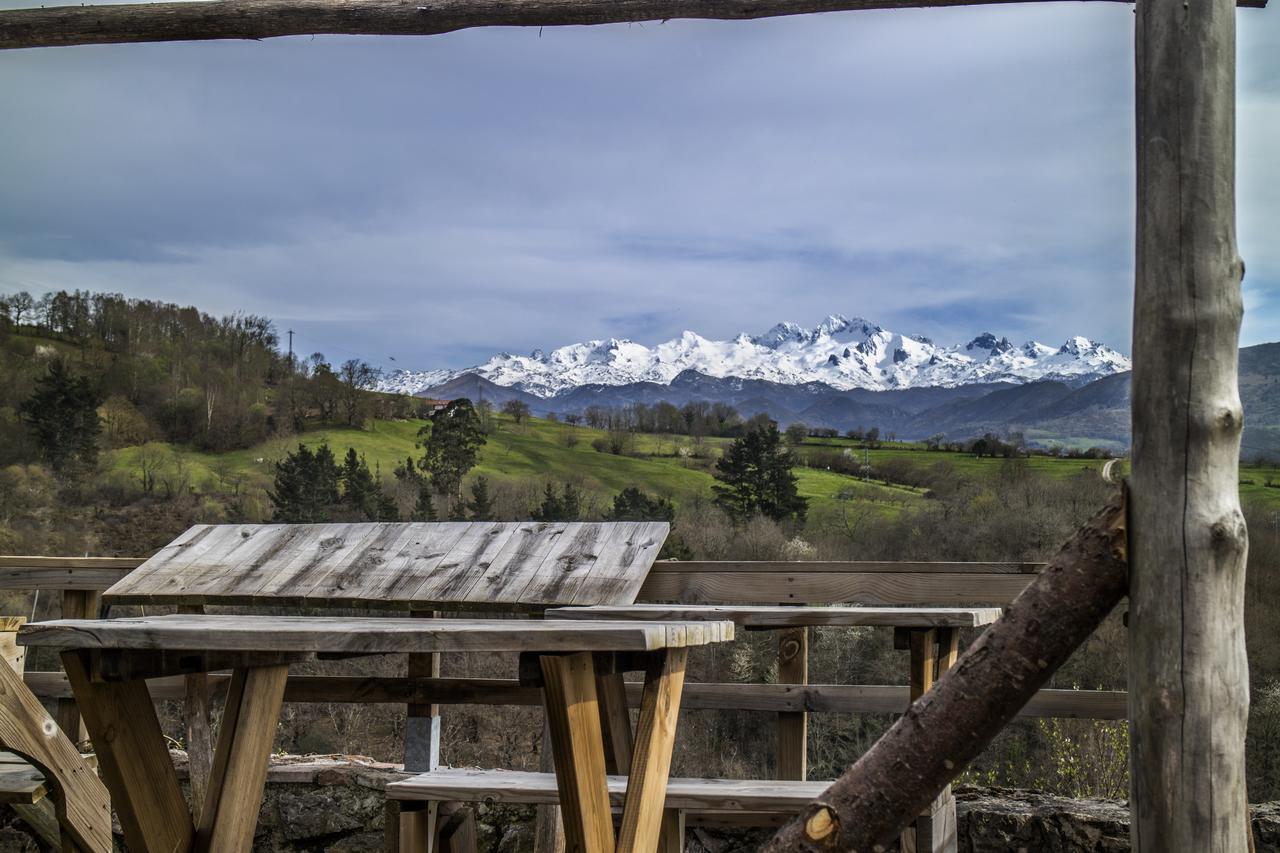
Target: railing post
point(76, 604)
point(793, 726)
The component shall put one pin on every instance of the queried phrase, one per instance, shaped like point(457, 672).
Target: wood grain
point(868, 588)
point(793, 726)
point(782, 616)
point(1188, 674)
point(229, 814)
point(573, 717)
point(514, 786)
point(260, 19)
point(338, 635)
point(526, 565)
point(641, 829)
point(133, 762)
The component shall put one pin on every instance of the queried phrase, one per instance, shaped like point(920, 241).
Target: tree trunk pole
point(1188, 677)
point(866, 808)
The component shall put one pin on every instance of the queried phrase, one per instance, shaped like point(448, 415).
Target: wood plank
point(573, 717)
point(42, 817)
point(333, 635)
point(199, 729)
point(53, 575)
point(229, 814)
point(567, 565)
point(516, 786)
point(422, 720)
point(429, 555)
point(162, 569)
point(793, 726)
point(517, 563)
point(814, 698)
point(641, 829)
point(869, 588)
point(622, 564)
point(452, 577)
point(21, 784)
point(782, 616)
point(133, 762)
point(416, 829)
point(842, 567)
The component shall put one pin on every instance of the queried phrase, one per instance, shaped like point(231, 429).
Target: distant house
point(436, 405)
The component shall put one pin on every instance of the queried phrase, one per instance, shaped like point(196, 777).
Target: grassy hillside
point(537, 451)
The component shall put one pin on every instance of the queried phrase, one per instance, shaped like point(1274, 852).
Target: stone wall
point(335, 803)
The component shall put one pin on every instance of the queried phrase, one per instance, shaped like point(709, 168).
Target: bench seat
point(517, 786)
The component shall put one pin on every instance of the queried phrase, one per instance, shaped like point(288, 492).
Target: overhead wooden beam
point(952, 723)
point(1188, 676)
point(259, 19)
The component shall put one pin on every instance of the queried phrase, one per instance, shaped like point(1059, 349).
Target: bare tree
point(357, 376)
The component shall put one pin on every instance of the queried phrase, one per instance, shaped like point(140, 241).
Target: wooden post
point(199, 728)
point(76, 604)
point(1188, 677)
point(422, 726)
point(793, 726)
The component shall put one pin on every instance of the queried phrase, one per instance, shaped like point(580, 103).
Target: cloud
point(437, 199)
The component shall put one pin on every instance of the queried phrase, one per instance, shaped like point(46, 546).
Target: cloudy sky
point(434, 200)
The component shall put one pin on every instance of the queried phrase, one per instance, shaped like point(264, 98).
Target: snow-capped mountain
point(840, 352)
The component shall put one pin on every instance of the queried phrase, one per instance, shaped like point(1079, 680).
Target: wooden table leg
point(615, 722)
point(651, 759)
point(573, 717)
point(239, 773)
point(132, 759)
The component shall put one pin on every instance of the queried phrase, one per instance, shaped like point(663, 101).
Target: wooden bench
point(762, 801)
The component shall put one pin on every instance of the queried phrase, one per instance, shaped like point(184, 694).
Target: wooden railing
point(869, 583)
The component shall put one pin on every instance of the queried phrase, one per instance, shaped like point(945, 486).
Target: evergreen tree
point(425, 508)
point(481, 505)
point(62, 415)
point(361, 492)
point(632, 504)
point(756, 475)
point(565, 506)
point(306, 486)
point(452, 442)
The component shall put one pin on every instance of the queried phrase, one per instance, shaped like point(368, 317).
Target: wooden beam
point(133, 760)
point(573, 717)
point(260, 19)
point(886, 589)
point(947, 727)
point(793, 726)
point(1189, 680)
point(641, 829)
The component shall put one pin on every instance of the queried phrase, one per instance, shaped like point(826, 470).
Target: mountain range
point(841, 353)
point(1076, 394)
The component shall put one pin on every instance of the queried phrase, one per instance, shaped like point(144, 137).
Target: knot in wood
point(822, 824)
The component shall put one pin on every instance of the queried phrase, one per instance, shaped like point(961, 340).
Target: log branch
point(866, 808)
point(259, 19)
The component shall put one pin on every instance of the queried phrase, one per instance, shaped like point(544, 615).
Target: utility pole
point(291, 350)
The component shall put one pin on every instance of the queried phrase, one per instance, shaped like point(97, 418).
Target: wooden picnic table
point(931, 635)
point(577, 664)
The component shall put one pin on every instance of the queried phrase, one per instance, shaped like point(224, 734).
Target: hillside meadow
point(680, 467)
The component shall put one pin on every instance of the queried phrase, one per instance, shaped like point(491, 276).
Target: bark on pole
point(866, 808)
point(1188, 678)
point(259, 19)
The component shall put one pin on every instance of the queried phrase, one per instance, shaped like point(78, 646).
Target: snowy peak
point(842, 352)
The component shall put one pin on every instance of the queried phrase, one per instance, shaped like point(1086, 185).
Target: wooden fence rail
point(79, 579)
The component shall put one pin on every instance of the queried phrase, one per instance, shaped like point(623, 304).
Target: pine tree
point(360, 491)
point(481, 505)
point(425, 508)
point(62, 414)
point(756, 477)
point(565, 506)
point(632, 504)
point(306, 486)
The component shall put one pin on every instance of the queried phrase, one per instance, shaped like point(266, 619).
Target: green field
point(677, 467)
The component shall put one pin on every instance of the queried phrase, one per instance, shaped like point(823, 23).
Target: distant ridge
point(839, 353)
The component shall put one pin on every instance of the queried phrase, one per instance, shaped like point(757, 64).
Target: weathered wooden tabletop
point(767, 616)
point(453, 565)
point(339, 635)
